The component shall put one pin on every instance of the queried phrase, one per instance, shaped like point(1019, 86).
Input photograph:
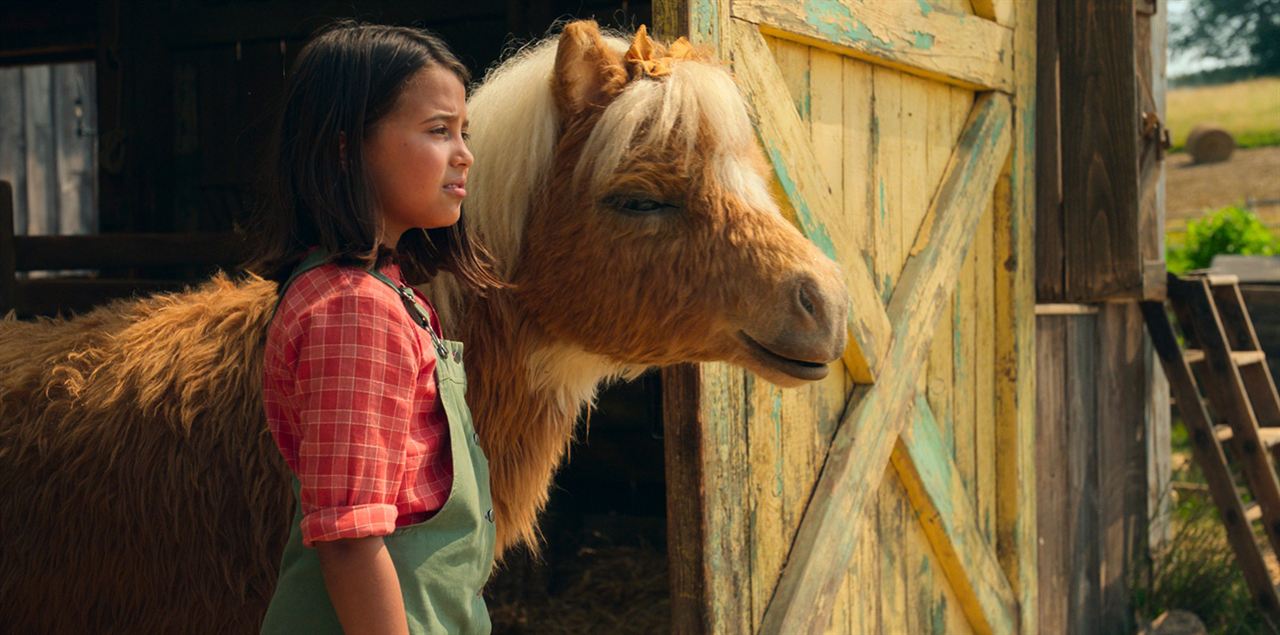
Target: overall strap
point(416, 310)
point(314, 259)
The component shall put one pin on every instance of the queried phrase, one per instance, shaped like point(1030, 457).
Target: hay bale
point(1209, 143)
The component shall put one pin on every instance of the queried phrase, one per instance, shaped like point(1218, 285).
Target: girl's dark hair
point(345, 79)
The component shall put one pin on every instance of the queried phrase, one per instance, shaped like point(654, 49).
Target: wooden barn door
point(896, 496)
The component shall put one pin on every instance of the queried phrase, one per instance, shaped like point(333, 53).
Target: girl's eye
point(440, 130)
point(640, 206)
point(466, 136)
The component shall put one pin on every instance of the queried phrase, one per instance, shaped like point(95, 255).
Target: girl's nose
point(464, 157)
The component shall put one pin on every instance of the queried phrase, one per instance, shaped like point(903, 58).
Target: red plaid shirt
point(350, 396)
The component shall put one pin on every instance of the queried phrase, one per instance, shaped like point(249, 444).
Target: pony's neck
point(526, 391)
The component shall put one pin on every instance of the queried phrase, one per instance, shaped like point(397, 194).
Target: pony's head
point(622, 190)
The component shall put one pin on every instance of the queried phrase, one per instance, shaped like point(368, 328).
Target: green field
point(1249, 110)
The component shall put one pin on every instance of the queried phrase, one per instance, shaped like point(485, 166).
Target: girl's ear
point(588, 74)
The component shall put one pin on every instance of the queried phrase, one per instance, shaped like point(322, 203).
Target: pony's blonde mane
point(515, 130)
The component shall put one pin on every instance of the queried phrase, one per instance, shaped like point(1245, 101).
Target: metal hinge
point(1153, 128)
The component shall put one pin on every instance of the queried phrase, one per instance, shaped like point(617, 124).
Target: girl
point(394, 527)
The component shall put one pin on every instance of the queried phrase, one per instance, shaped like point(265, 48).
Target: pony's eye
point(640, 206)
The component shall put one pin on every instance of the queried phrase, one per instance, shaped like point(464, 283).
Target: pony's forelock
point(516, 130)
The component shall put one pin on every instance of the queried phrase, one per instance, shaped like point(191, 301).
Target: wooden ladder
point(1242, 413)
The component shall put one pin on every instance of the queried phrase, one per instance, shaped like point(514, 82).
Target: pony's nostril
point(805, 301)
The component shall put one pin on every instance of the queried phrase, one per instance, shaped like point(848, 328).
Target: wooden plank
point(1050, 250)
point(817, 212)
point(934, 484)
point(704, 419)
point(859, 153)
point(13, 156)
point(963, 361)
point(984, 374)
point(76, 162)
point(106, 251)
point(1051, 462)
point(887, 178)
point(1209, 455)
point(915, 186)
point(1015, 291)
point(911, 37)
point(767, 459)
point(63, 295)
point(42, 170)
point(686, 521)
point(1099, 156)
point(1121, 448)
point(1084, 550)
point(1002, 11)
point(825, 541)
point(8, 283)
point(894, 514)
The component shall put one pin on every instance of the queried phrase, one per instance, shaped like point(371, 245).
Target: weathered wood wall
point(47, 146)
point(882, 128)
point(1100, 219)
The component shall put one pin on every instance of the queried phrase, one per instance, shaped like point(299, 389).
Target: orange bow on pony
point(648, 58)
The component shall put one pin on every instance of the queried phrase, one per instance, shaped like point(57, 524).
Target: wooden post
point(8, 265)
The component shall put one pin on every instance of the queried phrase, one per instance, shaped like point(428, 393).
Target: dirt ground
point(1251, 176)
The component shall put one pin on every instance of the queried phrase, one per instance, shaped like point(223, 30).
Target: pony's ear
point(588, 73)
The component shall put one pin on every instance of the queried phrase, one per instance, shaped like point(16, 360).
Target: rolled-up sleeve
point(356, 370)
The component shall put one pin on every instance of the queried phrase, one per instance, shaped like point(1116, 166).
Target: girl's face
point(417, 155)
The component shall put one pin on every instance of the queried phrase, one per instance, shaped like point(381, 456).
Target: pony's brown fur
point(140, 490)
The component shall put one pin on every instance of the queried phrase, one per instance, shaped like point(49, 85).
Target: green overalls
point(443, 562)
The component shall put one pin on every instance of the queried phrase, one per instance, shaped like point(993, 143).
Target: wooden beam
point(815, 211)
point(121, 251)
point(1100, 125)
point(909, 36)
point(1015, 217)
point(924, 463)
point(862, 446)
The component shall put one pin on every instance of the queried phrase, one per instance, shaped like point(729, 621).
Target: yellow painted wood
point(793, 62)
point(942, 131)
point(816, 212)
point(973, 53)
point(886, 130)
point(894, 522)
point(768, 473)
point(1015, 336)
point(984, 374)
point(938, 496)
point(917, 188)
point(825, 541)
point(1002, 11)
point(963, 415)
point(858, 136)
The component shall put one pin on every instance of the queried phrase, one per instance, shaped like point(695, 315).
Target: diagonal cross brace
point(825, 542)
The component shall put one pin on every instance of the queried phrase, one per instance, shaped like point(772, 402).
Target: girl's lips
point(456, 190)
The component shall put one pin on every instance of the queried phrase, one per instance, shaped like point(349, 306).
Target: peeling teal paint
point(804, 104)
point(938, 623)
point(925, 9)
point(886, 288)
point(812, 228)
point(833, 19)
point(776, 415)
point(882, 203)
point(923, 41)
point(704, 20)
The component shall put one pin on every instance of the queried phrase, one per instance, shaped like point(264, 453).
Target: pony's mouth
point(798, 368)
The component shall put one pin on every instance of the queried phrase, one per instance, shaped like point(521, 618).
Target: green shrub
point(1230, 230)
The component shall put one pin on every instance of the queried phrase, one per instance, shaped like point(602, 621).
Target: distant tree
point(1229, 30)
